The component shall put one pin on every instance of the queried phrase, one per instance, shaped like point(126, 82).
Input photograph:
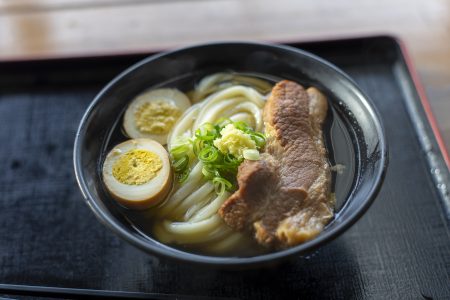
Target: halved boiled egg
point(152, 114)
point(138, 173)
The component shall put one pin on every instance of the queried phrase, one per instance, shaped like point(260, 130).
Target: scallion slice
point(251, 154)
point(221, 185)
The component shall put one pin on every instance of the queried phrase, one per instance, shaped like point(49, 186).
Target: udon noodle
point(189, 215)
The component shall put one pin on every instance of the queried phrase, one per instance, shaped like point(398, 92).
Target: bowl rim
point(179, 255)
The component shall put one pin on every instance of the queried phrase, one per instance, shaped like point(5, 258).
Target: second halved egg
point(152, 114)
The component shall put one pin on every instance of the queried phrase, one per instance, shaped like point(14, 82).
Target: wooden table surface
point(54, 28)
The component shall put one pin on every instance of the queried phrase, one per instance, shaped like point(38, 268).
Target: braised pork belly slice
point(284, 198)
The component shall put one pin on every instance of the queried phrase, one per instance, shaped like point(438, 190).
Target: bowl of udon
point(230, 154)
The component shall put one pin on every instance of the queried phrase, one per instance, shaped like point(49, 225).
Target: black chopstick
point(73, 293)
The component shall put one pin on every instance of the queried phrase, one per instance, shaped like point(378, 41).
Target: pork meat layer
point(284, 198)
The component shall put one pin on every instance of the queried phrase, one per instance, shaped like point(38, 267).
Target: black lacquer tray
point(51, 245)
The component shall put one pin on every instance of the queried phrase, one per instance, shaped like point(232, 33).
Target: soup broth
point(341, 155)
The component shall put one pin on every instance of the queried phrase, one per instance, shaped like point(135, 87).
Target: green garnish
point(221, 184)
point(221, 147)
point(180, 159)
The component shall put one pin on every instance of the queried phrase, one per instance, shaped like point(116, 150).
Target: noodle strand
point(190, 215)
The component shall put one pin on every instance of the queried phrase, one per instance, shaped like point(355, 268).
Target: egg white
point(138, 196)
point(171, 96)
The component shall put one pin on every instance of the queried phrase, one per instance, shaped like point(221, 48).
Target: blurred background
point(55, 28)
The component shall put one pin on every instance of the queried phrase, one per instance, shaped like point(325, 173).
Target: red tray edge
point(423, 99)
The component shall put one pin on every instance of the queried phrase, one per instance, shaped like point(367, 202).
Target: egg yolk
point(136, 167)
point(156, 117)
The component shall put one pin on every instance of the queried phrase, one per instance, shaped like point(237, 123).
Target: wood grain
point(49, 28)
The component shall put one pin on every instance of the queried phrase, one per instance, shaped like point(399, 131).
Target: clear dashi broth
point(341, 155)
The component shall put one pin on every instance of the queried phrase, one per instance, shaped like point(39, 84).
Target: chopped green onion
point(231, 160)
point(206, 132)
point(183, 176)
point(221, 184)
point(180, 150)
point(208, 154)
point(181, 164)
point(226, 171)
point(209, 171)
point(251, 154)
point(259, 139)
point(180, 156)
point(241, 125)
point(198, 145)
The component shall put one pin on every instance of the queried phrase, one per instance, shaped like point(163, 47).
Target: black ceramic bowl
point(362, 142)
